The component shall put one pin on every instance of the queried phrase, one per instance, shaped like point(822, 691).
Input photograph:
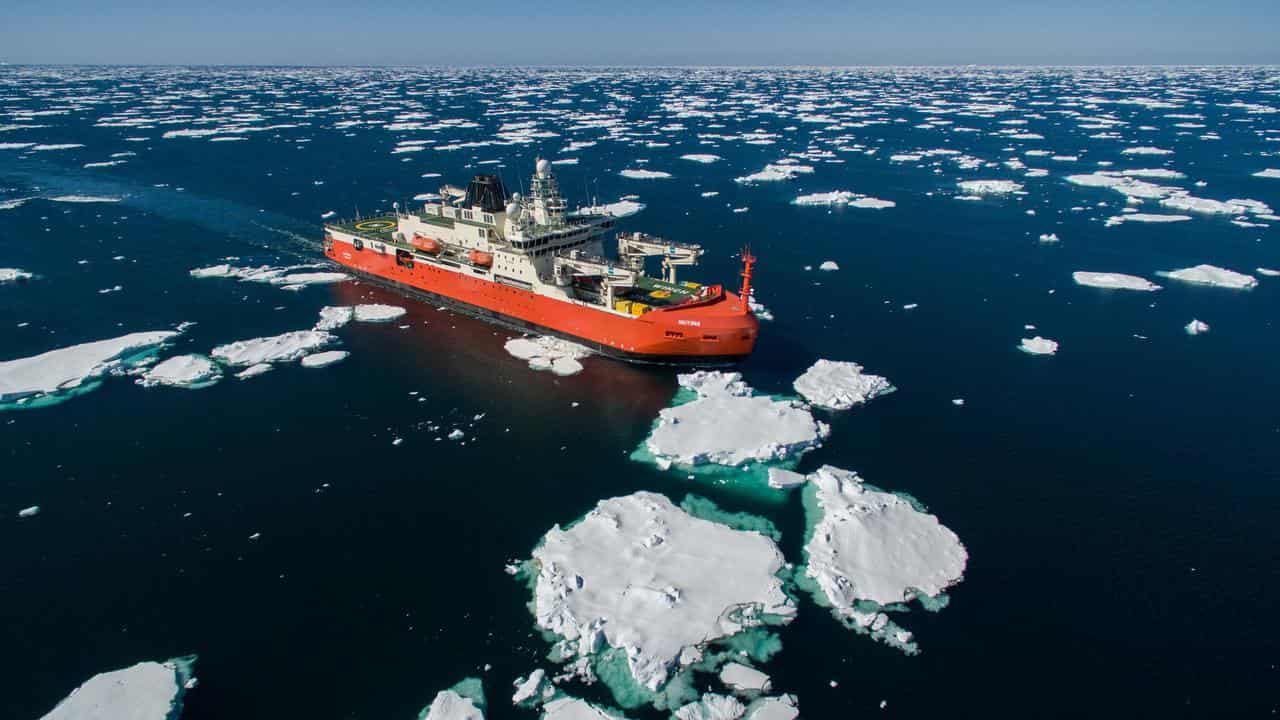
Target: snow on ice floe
point(59, 374)
point(837, 385)
point(644, 174)
point(744, 678)
point(869, 551)
point(544, 352)
point(285, 277)
point(719, 421)
point(641, 579)
point(375, 312)
point(844, 198)
point(1268, 173)
point(1211, 275)
point(1113, 281)
point(14, 275)
point(286, 347)
point(1195, 327)
point(704, 158)
point(989, 187)
point(619, 209)
point(185, 371)
point(775, 172)
point(829, 266)
point(1145, 218)
point(1038, 346)
point(712, 707)
point(146, 691)
point(571, 708)
point(324, 359)
point(464, 701)
point(333, 317)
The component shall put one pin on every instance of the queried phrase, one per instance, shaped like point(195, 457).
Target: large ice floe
point(717, 423)
point(571, 708)
point(333, 317)
point(285, 347)
point(782, 707)
point(642, 174)
point(1211, 275)
point(544, 352)
point(837, 385)
point(286, 277)
point(844, 198)
point(1038, 346)
point(14, 275)
point(146, 691)
point(184, 371)
point(868, 551)
point(712, 707)
point(464, 701)
point(59, 374)
point(641, 590)
point(1113, 281)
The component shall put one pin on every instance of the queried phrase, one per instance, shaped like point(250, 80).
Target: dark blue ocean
point(1118, 500)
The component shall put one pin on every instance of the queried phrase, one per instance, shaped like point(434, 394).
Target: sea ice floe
point(837, 385)
point(1211, 275)
point(870, 550)
point(285, 347)
point(333, 317)
point(1048, 237)
point(989, 187)
point(782, 707)
point(844, 198)
point(285, 277)
point(534, 689)
point(642, 580)
point(1113, 281)
point(146, 691)
point(254, 371)
point(1143, 150)
point(14, 275)
point(1195, 327)
point(619, 209)
point(185, 371)
point(1189, 203)
point(642, 174)
point(712, 707)
point(323, 359)
point(744, 678)
point(464, 701)
point(1268, 272)
point(1268, 173)
point(703, 158)
point(571, 708)
point(775, 172)
point(829, 266)
point(717, 420)
point(61, 373)
point(377, 313)
point(1145, 218)
point(29, 512)
point(1038, 346)
point(544, 352)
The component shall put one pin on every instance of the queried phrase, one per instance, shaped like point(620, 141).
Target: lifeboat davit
point(426, 244)
point(481, 259)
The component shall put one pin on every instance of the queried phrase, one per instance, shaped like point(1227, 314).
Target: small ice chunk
point(829, 265)
point(545, 352)
point(14, 275)
point(253, 371)
point(377, 313)
point(323, 359)
point(1211, 275)
point(1038, 346)
point(644, 174)
point(781, 479)
point(1195, 327)
point(1049, 238)
point(457, 435)
point(29, 511)
point(958, 402)
point(703, 158)
point(1113, 281)
point(837, 385)
point(1268, 272)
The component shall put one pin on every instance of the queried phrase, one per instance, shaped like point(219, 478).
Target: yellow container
point(639, 308)
point(622, 305)
point(691, 285)
point(660, 294)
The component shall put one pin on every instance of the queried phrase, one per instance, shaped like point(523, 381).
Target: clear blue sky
point(645, 32)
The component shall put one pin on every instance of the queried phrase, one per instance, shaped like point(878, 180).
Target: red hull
point(718, 331)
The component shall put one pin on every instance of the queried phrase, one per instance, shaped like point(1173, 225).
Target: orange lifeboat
point(481, 259)
point(426, 244)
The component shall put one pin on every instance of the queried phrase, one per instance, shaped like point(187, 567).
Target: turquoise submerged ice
point(59, 374)
point(464, 701)
point(642, 586)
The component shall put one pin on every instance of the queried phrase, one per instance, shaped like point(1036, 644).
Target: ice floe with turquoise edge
point(1211, 275)
point(745, 679)
point(1196, 327)
point(838, 385)
point(185, 371)
point(544, 352)
point(57, 375)
point(1038, 346)
point(844, 198)
point(712, 707)
point(464, 701)
point(8, 275)
point(533, 690)
point(717, 423)
point(644, 589)
point(643, 174)
point(1113, 281)
point(285, 347)
point(869, 552)
point(146, 691)
point(781, 707)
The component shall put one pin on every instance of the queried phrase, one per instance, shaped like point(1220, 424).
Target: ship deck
point(378, 227)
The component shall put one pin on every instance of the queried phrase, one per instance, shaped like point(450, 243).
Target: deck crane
point(633, 248)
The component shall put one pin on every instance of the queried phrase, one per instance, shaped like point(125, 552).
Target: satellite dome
point(544, 167)
point(513, 208)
